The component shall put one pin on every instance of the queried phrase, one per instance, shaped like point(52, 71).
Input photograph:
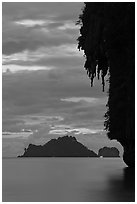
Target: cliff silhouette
point(107, 37)
point(66, 146)
point(108, 152)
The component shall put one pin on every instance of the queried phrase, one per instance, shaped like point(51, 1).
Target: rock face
point(109, 45)
point(108, 152)
point(62, 147)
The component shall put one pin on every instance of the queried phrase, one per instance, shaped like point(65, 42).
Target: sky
point(46, 92)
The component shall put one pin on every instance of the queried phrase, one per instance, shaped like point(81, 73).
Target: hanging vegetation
point(107, 37)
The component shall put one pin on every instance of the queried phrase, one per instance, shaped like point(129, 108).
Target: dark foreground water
point(67, 179)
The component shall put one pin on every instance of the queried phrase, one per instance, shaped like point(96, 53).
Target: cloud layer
point(45, 88)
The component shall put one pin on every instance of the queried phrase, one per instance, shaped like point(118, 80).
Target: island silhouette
point(108, 152)
point(66, 146)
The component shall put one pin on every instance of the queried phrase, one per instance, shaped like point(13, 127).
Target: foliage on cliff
point(107, 36)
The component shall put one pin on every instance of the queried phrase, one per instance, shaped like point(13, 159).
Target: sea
point(67, 180)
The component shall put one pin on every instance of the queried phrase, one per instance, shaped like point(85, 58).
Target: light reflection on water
point(67, 179)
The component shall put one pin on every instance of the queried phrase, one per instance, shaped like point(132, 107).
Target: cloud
point(41, 10)
point(74, 131)
point(80, 99)
point(90, 100)
point(24, 56)
point(40, 92)
point(21, 135)
point(33, 23)
point(69, 25)
point(27, 38)
point(51, 92)
point(36, 92)
point(64, 129)
point(56, 53)
point(29, 26)
point(49, 24)
point(16, 68)
point(40, 120)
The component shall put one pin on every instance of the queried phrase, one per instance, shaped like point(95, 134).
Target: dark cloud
point(13, 47)
point(36, 94)
point(42, 91)
point(17, 38)
point(55, 25)
point(64, 62)
point(33, 42)
point(69, 17)
point(39, 10)
point(71, 62)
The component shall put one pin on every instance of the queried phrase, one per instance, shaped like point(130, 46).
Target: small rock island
point(108, 152)
point(66, 146)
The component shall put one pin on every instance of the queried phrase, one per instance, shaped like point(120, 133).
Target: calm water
point(67, 179)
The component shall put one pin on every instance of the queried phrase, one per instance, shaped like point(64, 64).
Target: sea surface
point(67, 180)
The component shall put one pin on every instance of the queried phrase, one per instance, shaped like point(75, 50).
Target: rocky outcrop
point(66, 146)
point(108, 152)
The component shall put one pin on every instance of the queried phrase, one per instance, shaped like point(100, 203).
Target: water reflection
point(67, 180)
point(112, 186)
point(122, 188)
